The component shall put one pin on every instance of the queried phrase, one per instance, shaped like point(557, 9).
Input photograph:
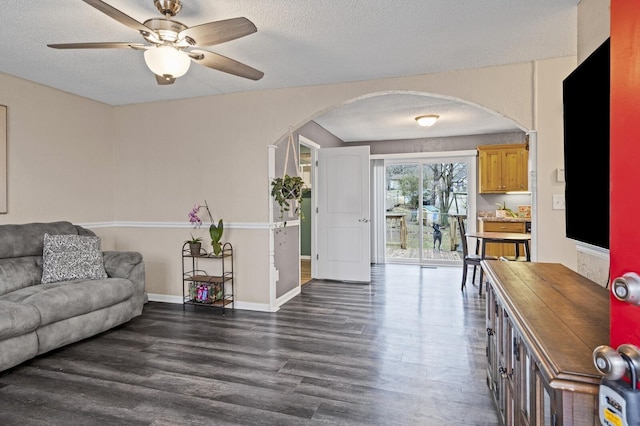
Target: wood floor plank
point(407, 349)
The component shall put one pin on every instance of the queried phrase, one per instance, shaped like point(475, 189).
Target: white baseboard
point(246, 306)
point(287, 296)
point(164, 298)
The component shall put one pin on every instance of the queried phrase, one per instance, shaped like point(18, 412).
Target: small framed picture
point(524, 211)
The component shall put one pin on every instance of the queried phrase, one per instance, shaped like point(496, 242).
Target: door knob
point(613, 364)
point(618, 400)
point(363, 220)
point(609, 362)
point(627, 288)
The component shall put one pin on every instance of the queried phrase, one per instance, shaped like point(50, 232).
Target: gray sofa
point(36, 317)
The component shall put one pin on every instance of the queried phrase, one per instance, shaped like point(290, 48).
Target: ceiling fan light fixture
point(168, 7)
point(427, 120)
point(169, 52)
point(167, 61)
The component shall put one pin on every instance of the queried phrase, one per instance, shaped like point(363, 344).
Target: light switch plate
point(558, 202)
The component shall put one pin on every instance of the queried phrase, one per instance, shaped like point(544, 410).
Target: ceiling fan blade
point(106, 45)
point(163, 81)
point(218, 32)
point(118, 16)
point(224, 64)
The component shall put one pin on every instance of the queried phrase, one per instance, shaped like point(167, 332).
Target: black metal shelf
point(201, 288)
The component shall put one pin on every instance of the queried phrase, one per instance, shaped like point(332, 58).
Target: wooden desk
point(403, 227)
point(502, 237)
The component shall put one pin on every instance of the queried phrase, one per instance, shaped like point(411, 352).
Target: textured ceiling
point(298, 43)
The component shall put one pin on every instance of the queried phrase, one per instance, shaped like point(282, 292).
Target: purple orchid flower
point(193, 216)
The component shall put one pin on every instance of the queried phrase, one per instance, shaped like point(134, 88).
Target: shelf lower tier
point(217, 303)
point(206, 291)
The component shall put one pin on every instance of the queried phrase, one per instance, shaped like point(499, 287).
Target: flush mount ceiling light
point(167, 61)
point(427, 120)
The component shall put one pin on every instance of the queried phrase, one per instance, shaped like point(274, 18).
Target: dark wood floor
point(406, 350)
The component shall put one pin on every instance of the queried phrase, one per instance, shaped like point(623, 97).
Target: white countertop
point(503, 219)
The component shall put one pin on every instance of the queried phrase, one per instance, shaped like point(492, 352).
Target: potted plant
point(287, 190)
point(215, 231)
point(216, 234)
point(195, 244)
point(503, 211)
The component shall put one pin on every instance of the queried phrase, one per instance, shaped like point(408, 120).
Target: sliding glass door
point(421, 199)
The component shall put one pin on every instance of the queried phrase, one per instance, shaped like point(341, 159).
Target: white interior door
point(343, 214)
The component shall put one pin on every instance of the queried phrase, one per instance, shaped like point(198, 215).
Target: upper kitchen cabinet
point(503, 168)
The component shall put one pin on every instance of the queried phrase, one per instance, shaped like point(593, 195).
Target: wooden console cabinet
point(543, 323)
point(503, 168)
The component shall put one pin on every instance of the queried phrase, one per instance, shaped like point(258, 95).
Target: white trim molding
point(245, 306)
point(287, 296)
point(164, 298)
point(173, 225)
point(592, 250)
point(425, 154)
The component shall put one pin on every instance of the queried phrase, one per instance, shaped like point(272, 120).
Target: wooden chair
point(469, 259)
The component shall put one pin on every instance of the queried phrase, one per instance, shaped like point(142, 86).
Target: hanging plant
point(287, 190)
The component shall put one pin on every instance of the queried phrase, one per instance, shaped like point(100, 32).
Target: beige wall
point(552, 246)
point(59, 155)
point(593, 28)
point(594, 25)
point(139, 169)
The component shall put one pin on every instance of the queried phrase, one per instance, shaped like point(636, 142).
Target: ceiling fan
point(172, 45)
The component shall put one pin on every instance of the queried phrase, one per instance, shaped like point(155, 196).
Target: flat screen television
point(586, 95)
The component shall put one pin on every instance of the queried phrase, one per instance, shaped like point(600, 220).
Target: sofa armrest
point(128, 265)
point(120, 264)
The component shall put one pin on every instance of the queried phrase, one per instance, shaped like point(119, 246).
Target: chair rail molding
point(173, 225)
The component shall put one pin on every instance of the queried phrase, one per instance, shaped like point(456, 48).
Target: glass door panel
point(401, 211)
point(444, 193)
point(420, 197)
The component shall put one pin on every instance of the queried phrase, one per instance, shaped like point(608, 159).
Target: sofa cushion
point(17, 319)
point(71, 330)
point(62, 300)
point(69, 257)
point(27, 239)
point(19, 272)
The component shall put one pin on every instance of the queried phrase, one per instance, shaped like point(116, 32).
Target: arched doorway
point(386, 123)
